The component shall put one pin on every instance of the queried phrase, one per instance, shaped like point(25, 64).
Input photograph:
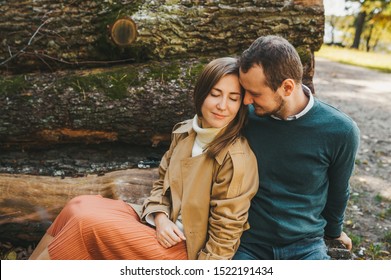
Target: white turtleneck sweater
point(204, 137)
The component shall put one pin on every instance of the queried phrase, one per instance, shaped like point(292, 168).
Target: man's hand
point(345, 239)
point(167, 233)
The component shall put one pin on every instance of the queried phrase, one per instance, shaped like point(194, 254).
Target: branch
point(28, 44)
point(41, 55)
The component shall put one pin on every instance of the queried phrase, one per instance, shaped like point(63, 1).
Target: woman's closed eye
point(235, 96)
point(232, 96)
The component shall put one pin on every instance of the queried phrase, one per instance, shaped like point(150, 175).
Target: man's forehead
point(254, 66)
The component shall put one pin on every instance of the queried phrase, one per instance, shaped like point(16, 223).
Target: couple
point(208, 203)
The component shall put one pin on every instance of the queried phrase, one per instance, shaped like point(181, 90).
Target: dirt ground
point(364, 95)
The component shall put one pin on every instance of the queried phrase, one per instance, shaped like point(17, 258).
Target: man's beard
point(280, 104)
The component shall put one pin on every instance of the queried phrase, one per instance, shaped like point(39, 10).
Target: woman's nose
point(222, 105)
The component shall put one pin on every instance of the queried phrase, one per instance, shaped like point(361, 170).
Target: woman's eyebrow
point(232, 92)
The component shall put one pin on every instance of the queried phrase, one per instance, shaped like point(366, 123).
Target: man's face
point(266, 101)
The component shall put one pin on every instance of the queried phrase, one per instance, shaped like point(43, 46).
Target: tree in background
point(372, 21)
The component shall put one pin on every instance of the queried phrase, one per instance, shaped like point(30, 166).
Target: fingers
point(348, 242)
point(167, 233)
point(180, 234)
point(344, 238)
point(168, 239)
point(164, 243)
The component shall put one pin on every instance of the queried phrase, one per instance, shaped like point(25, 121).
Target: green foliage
point(387, 237)
point(305, 54)
point(376, 32)
point(374, 251)
point(356, 239)
point(113, 83)
point(15, 84)
point(386, 213)
point(116, 83)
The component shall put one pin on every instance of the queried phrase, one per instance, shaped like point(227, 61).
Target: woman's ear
point(288, 86)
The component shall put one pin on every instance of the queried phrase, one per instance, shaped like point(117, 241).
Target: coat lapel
point(182, 152)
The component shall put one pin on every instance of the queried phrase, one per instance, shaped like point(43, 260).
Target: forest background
point(358, 24)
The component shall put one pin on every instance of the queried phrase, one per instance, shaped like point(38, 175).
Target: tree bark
point(140, 99)
point(30, 203)
point(50, 35)
point(137, 104)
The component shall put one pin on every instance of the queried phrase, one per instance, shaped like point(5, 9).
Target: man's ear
point(288, 86)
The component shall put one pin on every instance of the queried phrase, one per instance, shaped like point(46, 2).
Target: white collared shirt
point(310, 104)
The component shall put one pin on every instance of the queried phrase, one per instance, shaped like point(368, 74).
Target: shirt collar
point(310, 104)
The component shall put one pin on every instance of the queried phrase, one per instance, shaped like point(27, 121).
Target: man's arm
point(339, 174)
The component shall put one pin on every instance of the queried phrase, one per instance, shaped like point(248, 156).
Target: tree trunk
point(30, 203)
point(360, 21)
point(368, 39)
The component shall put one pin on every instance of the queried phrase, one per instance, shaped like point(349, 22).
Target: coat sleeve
point(160, 199)
point(235, 184)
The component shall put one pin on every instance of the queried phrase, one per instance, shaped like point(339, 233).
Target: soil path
point(365, 95)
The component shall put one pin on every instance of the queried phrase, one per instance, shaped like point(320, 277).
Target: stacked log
point(53, 88)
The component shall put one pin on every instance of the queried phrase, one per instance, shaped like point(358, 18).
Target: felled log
point(28, 204)
point(136, 104)
point(51, 35)
point(161, 44)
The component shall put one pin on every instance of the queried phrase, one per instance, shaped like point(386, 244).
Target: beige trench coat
point(213, 195)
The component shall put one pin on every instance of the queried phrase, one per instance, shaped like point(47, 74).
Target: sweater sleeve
point(339, 174)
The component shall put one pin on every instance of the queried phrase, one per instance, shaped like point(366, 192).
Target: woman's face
point(222, 103)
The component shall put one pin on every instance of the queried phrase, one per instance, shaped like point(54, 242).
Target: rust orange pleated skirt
point(91, 227)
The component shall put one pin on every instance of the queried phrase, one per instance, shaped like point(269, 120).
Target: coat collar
point(187, 127)
point(184, 127)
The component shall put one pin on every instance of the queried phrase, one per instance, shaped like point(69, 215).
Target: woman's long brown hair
point(209, 77)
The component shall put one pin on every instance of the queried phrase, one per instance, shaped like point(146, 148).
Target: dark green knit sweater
point(304, 170)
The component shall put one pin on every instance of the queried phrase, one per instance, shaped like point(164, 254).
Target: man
point(305, 151)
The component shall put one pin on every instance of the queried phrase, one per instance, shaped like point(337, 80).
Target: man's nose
point(247, 100)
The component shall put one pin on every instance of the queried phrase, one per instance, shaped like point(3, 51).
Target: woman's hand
point(167, 233)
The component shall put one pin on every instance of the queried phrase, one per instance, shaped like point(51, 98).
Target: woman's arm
point(158, 200)
point(235, 185)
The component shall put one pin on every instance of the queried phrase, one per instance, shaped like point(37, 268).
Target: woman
point(198, 207)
